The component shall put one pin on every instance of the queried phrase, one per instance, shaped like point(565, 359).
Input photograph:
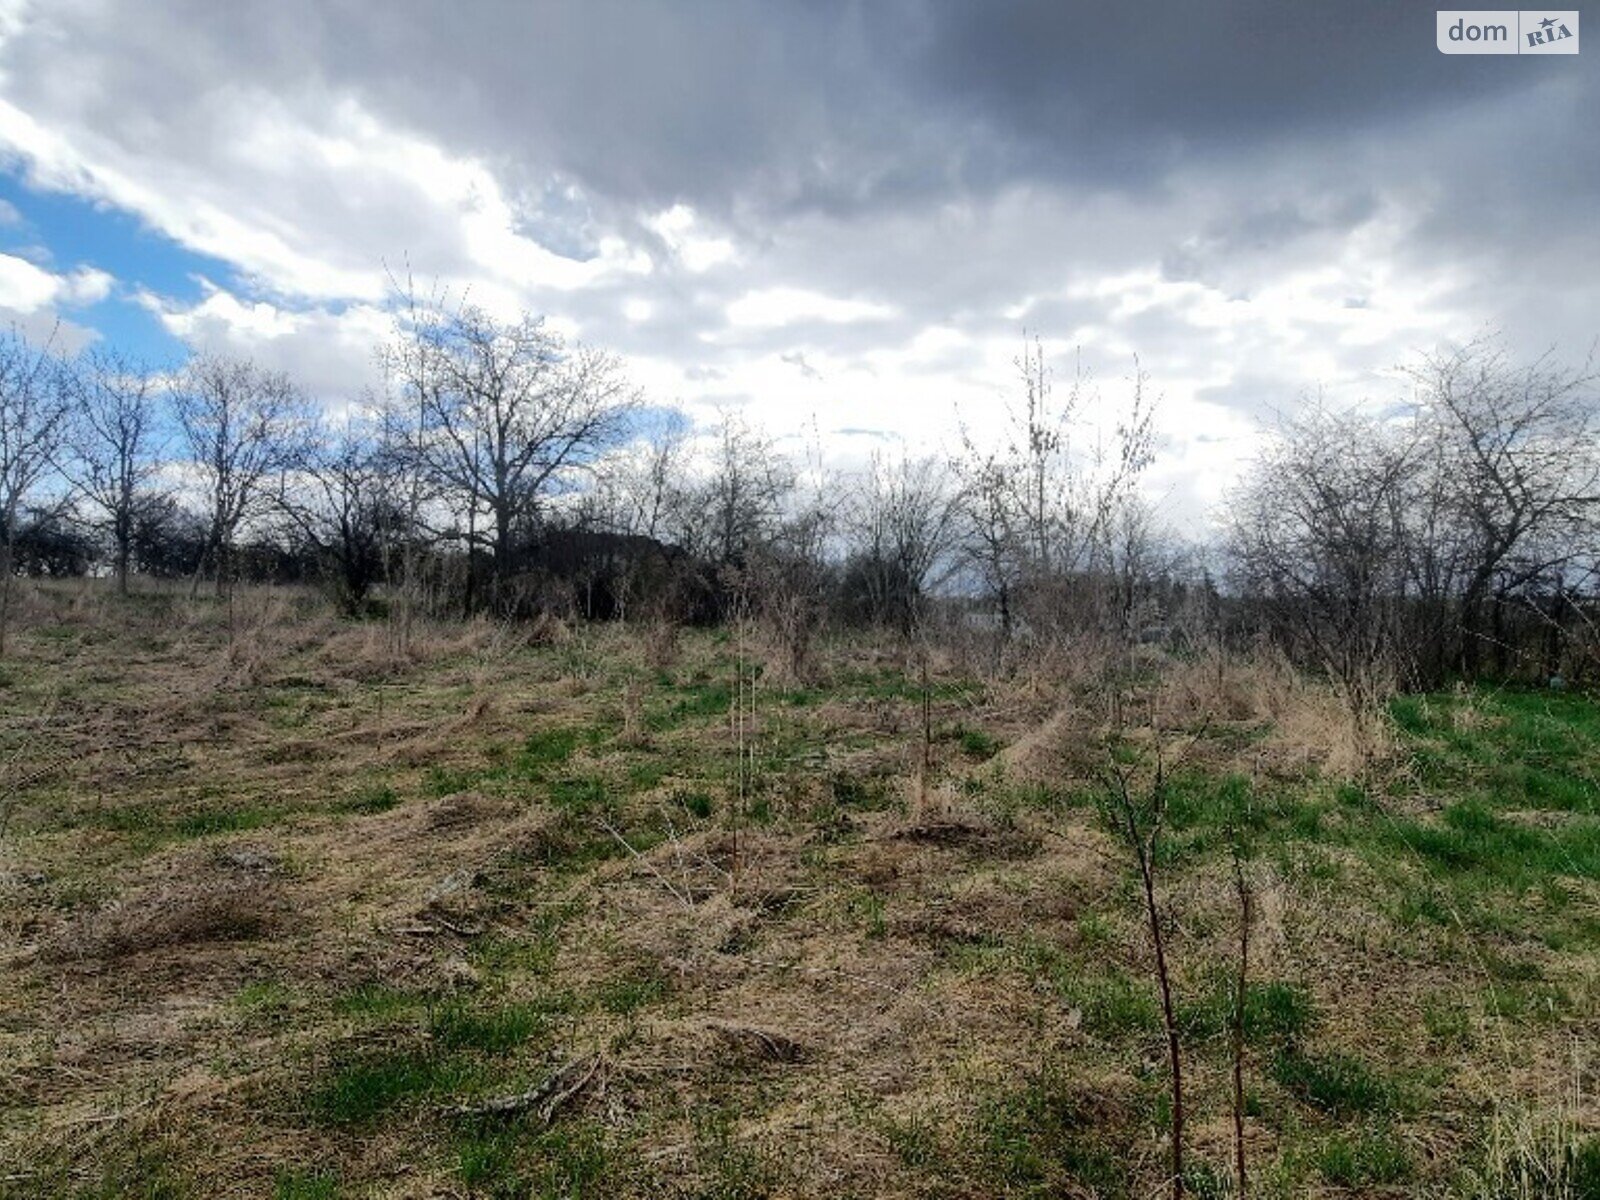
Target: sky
point(838, 220)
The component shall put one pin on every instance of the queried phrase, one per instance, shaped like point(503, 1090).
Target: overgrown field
point(282, 914)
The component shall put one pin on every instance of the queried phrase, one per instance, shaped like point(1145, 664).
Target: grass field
point(283, 916)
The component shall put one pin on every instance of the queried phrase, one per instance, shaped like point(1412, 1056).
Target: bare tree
point(640, 487)
point(1045, 510)
point(115, 447)
point(789, 580)
point(1519, 477)
point(1318, 535)
point(731, 514)
point(337, 498)
point(639, 494)
point(34, 405)
point(508, 413)
point(987, 532)
point(243, 425)
point(903, 529)
point(1400, 550)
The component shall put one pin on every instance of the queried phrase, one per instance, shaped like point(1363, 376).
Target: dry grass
point(285, 897)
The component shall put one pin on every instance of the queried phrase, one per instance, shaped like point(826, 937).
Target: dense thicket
point(1455, 536)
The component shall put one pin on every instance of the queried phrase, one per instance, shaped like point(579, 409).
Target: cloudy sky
point(839, 218)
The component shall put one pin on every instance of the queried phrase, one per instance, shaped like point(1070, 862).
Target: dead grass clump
point(469, 637)
point(983, 909)
point(366, 652)
point(1310, 726)
point(460, 810)
point(635, 733)
point(953, 829)
point(1080, 662)
point(1221, 688)
point(546, 629)
point(927, 801)
point(662, 645)
point(1467, 714)
point(1062, 747)
point(1315, 728)
point(171, 914)
point(750, 1044)
point(248, 857)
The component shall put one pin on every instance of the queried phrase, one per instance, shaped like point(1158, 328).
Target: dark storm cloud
point(832, 106)
point(824, 107)
point(1126, 91)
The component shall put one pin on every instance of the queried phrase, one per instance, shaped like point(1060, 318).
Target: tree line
point(502, 469)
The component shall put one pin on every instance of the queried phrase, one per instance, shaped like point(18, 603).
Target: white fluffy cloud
point(28, 288)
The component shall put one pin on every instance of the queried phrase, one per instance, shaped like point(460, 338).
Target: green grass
point(225, 819)
point(1472, 838)
point(1274, 1012)
point(1367, 1158)
point(914, 1141)
point(508, 769)
point(583, 795)
point(865, 793)
point(369, 1083)
point(976, 744)
point(1113, 1005)
point(627, 993)
point(294, 1183)
point(1336, 1084)
point(1534, 749)
point(696, 804)
point(148, 825)
point(486, 1161)
point(265, 998)
point(691, 701)
point(366, 801)
point(730, 1167)
point(1037, 1138)
point(546, 749)
point(457, 1025)
point(378, 1002)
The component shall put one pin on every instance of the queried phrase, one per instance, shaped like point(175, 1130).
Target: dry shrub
point(267, 626)
point(1310, 725)
point(1222, 688)
point(662, 644)
point(1468, 715)
point(1080, 660)
point(478, 636)
point(366, 652)
point(171, 914)
point(1536, 1151)
point(31, 605)
point(546, 629)
point(928, 801)
point(635, 733)
point(85, 604)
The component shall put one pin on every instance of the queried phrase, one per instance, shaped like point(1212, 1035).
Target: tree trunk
point(502, 557)
point(6, 561)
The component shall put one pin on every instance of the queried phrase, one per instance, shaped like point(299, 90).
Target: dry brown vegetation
point(525, 915)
